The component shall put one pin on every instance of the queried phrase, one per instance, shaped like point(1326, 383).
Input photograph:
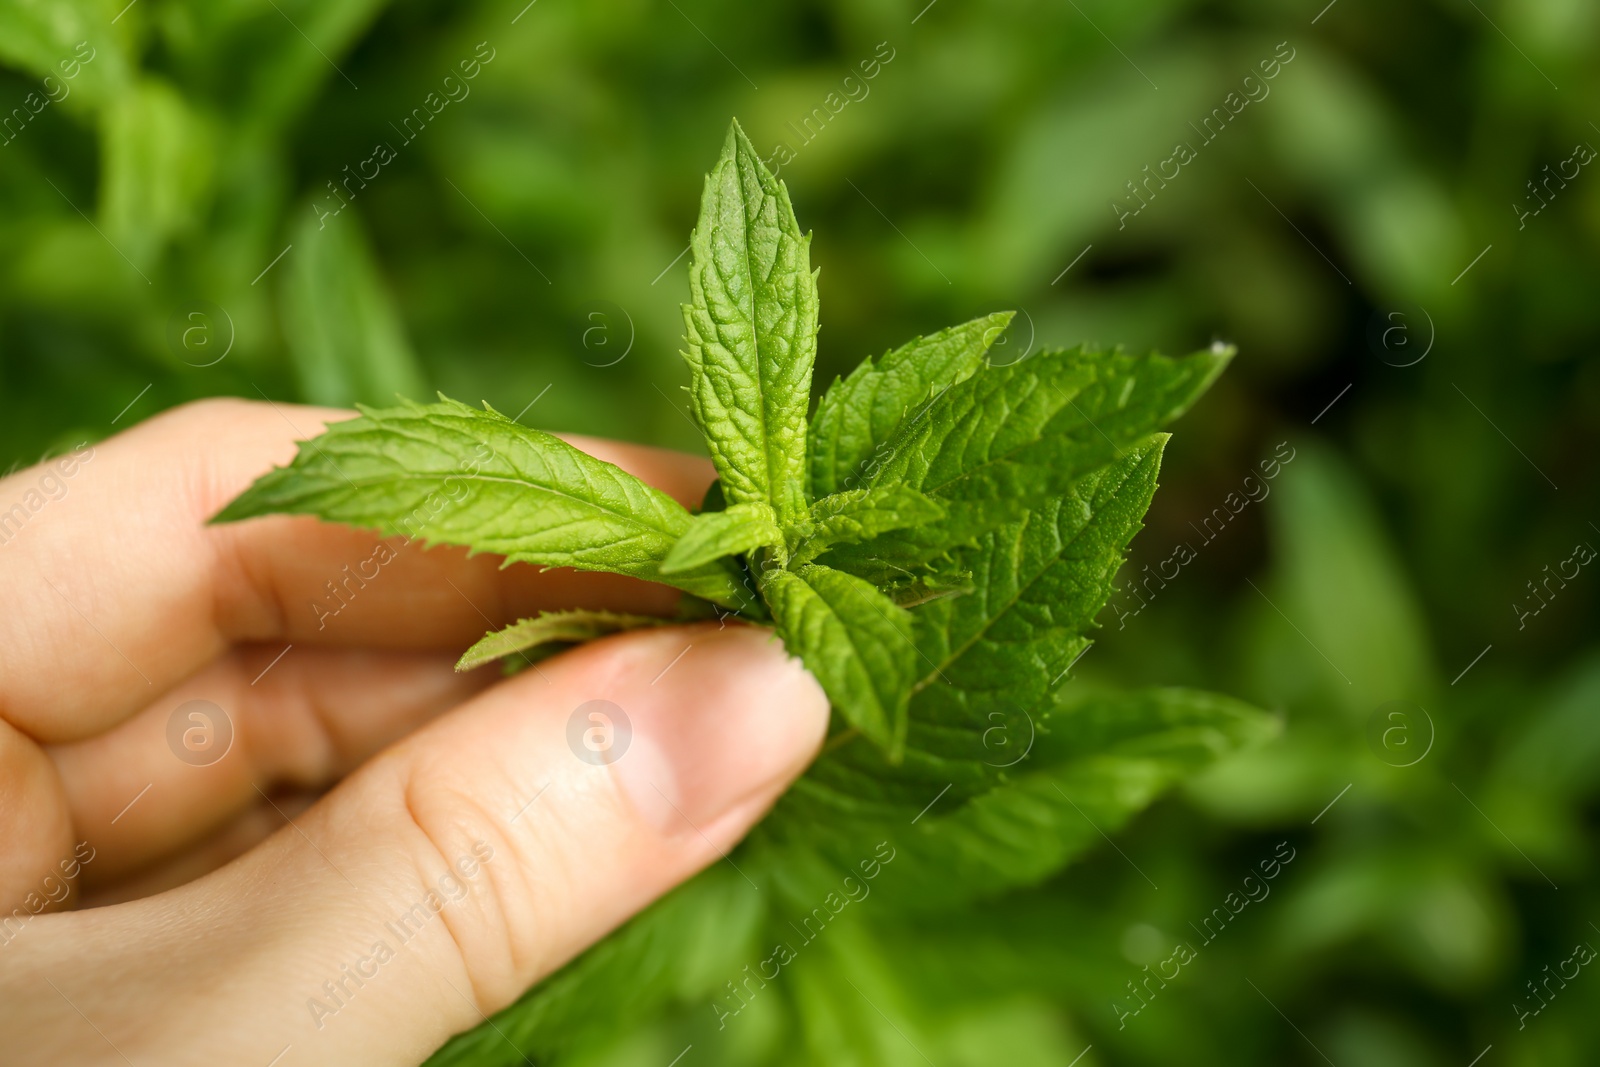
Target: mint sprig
point(880, 502)
point(934, 544)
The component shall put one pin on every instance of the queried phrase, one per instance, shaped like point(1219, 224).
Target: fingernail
point(731, 715)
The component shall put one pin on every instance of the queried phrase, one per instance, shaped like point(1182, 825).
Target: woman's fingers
point(200, 857)
point(114, 589)
point(221, 741)
point(436, 883)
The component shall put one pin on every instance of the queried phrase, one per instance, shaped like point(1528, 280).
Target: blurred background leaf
point(345, 337)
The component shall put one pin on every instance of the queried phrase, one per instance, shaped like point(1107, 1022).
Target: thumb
point(442, 879)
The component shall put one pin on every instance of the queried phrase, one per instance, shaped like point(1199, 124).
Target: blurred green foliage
point(520, 246)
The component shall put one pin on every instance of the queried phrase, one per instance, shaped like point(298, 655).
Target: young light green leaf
point(552, 627)
point(715, 534)
point(751, 331)
point(448, 473)
point(856, 642)
point(856, 515)
point(860, 413)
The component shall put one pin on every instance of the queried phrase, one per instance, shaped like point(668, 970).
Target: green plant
point(934, 543)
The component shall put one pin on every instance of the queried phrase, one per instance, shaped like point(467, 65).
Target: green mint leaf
point(551, 627)
point(995, 444)
point(859, 414)
point(988, 659)
point(1107, 756)
point(751, 331)
point(856, 515)
point(1038, 586)
point(447, 473)
point(715, 534)
point(855, 640)
point(1024, 431)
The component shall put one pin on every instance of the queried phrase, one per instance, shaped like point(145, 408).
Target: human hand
point(242, 912)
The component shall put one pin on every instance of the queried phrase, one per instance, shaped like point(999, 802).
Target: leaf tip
point(227, 514)
point(247, 505)
point(676, 561)
point(1218, 355)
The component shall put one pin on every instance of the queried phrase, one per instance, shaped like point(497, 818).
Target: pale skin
point(219, 902)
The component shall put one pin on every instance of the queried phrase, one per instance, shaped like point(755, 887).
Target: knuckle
point(484, 875)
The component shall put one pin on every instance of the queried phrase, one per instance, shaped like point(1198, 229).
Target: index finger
point(114, 588)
